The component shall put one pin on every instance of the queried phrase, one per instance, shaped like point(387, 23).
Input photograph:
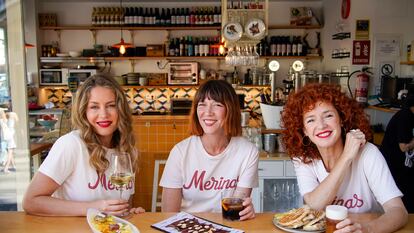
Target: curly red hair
point(351, 113)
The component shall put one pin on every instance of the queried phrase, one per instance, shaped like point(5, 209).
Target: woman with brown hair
point(326, 136)
point(75, 174)
point(214, 159)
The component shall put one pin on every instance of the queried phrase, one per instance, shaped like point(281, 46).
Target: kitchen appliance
point(54, 76)
point(181, 106)
point(183, 73)
point(390, 86)
point(81, 74)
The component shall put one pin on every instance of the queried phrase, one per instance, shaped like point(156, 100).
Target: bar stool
point(156, 199)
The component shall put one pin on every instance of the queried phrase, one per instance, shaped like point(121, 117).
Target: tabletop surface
point(11, 222)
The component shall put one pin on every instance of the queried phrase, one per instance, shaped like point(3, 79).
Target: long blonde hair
point(122, 139)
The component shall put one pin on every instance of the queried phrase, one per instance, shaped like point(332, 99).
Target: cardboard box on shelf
point(157, 79)
point(155, 50)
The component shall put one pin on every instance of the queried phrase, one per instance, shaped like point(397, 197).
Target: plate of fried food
point(101, 222)
point(300, 220)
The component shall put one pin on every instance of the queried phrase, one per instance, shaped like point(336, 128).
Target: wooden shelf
point(407, 63)
point(271, 27)
point(90, 27)
point(104, 59)
point(292, 57)
point(277, 131)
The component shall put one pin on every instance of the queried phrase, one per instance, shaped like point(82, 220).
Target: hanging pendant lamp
point(122, 45)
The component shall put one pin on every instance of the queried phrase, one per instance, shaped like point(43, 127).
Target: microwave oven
point(183, 73)
point(54, 76)
point(81, 74)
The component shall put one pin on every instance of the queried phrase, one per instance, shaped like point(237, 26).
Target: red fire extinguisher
point(361, 86)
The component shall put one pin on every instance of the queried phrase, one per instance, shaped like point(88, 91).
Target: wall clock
point(346, 8)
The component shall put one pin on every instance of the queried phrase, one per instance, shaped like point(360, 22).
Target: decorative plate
point(232, 31)
point(255, 29)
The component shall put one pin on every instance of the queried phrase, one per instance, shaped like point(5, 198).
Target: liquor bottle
point(190, 46)
point(273, 46)
point(192, 17)
point(216, 16)
point(168, 17)
point(126, 16)
point(300, 47)
point(196, 47)
point(158, 17)
point(138, 17)
point(173, 17)
point(187, 16)
point(182, 46)
point(219, 14)
point(151, 17)
point(177, 47)
point(294, 46)
point(93, 16)
point(171, 51)
point(182, 16)
point(288, 46)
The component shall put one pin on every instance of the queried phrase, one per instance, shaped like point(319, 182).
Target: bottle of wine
point(187, 16)
point(173, 17)
point(288, 46)
point(168, 17)
point(190, 46)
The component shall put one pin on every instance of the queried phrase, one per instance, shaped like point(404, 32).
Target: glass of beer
point(231, 204)
point(334, 215)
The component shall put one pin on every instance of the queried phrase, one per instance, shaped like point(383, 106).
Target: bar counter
point(19, 222)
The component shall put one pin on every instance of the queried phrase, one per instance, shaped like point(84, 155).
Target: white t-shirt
point(202, 176)
point(365, 189)
point(68, 165)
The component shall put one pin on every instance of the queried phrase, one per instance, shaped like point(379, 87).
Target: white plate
point(93, 212)
point(255, 29)
point(298, 230)
point(232, 31)
point(62, 54)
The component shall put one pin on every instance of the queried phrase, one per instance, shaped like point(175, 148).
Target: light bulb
point(122, 50)
point(221, 49)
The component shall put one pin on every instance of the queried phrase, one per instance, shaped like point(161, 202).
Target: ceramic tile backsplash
point(155, 99)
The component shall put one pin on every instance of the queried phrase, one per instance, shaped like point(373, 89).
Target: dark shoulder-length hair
point(350, 112)
point(222, 92)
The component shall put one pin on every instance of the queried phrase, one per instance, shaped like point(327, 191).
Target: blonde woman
point(75, 176)
point(7, 122)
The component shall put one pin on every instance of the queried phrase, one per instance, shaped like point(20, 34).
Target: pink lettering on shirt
point(197, 181)
point(354, 202)
point(106, 184)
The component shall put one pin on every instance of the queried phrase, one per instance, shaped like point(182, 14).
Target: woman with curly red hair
point(326, 136)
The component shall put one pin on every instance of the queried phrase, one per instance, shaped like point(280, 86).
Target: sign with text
point(361, 51)
point(362, 29)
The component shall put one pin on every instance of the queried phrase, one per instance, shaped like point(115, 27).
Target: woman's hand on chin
point(355, 140)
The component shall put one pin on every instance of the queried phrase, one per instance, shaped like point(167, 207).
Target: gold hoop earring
point(303, 139)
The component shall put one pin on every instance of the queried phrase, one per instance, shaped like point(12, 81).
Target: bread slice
point(318, 222)
point(294, 218)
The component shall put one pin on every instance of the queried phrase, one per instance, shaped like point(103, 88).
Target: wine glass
point(120, 172)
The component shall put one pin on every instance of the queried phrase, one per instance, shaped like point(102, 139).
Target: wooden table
point(19, 222)
point(36, 148)
point(35, 151)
